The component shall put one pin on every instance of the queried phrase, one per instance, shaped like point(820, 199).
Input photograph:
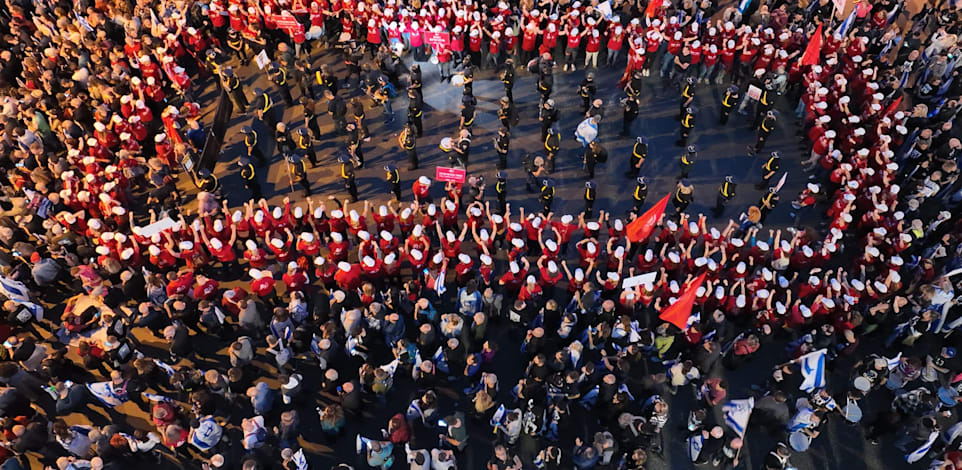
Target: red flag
point(677, 313)
point(653, 7)
point(892, 107)
point(640, 228)
point(813, 50)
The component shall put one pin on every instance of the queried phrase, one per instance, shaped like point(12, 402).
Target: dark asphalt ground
point(721, 152)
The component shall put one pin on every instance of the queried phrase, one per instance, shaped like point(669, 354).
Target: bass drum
point(799, 441)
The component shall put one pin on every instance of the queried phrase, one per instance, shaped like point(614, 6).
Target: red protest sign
point(454, 175)
point(438, 40)
point(287, 22)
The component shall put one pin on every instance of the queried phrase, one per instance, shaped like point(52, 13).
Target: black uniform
point(764, 130)
point(250, 180)
point(354, 147)
point(298, 171)
point(347, 173)
point(687, 124)
point(409, 144)
point(250, 140)
point(467, 115)
point(327, 80)
point(545, 85)
point(310, 117)
point(586, 90)
point(393, 178)
point(337, 108)
point(279, 76)
point(765, 103)
point(507, 78)
point(632, 109)
point(507, 115)
point(548, 116)
point(591, 193)
point(726, 192)
point(284, 143)
point(462, 150)
point(304, 146)
point(639, 195)
point(415, 111)
point(681, 200)
point(265, 106)
point(233, 86)
point(769, 169)
point(685, 163)
point(502, 144)
point(728, 103)
point(639, 152)
point(547, 197)
point(687, 96)
point(552, 145)
point(501, 189)
point(594, 153)
point(767, 203)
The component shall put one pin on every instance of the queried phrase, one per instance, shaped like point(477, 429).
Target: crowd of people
point(394, 306)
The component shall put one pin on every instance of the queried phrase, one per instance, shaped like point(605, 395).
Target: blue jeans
point(388, 112)
point(77, 397)
point(667, 62)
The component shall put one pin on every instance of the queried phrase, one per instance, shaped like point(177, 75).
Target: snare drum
point(447, 144)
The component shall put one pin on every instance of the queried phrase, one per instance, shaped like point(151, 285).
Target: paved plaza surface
point(721, 152)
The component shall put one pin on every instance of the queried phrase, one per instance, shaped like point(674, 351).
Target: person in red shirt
point(550, 275)
point(205, 288)
point(592, 47)
point(615, 42)
point(262, 284)
point(179, 282)
point(422, 190)
point(295, 279)
point(348, 276)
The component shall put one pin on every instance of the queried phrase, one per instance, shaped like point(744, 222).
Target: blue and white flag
point(917, 454)
point(743, 5)
point(813, 370)
point(692, 319)
point(737, 413)
point(166, 368)
point(894, 362)
point(847, 24)
point(439, 286)
point(18, 292)
point(300, 461)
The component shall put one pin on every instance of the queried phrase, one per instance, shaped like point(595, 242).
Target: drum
point(344, 37)
point(799, 441)
point(947, 396)
point(852, 412)
point(457, 80)
point(862, 384)
point(447, 144)
point(434, 60)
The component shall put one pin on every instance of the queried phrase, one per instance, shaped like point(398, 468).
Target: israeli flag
point(894, 362)
point(692, 319)
point(847, 24)
point(498, 415)
point(166, 368)
point(743, 5)
point(390, 367)
point(737, 413)
point(917, 454)
point(439, 286)
point(300, 461)
point(18, 292)
point(813, 370)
